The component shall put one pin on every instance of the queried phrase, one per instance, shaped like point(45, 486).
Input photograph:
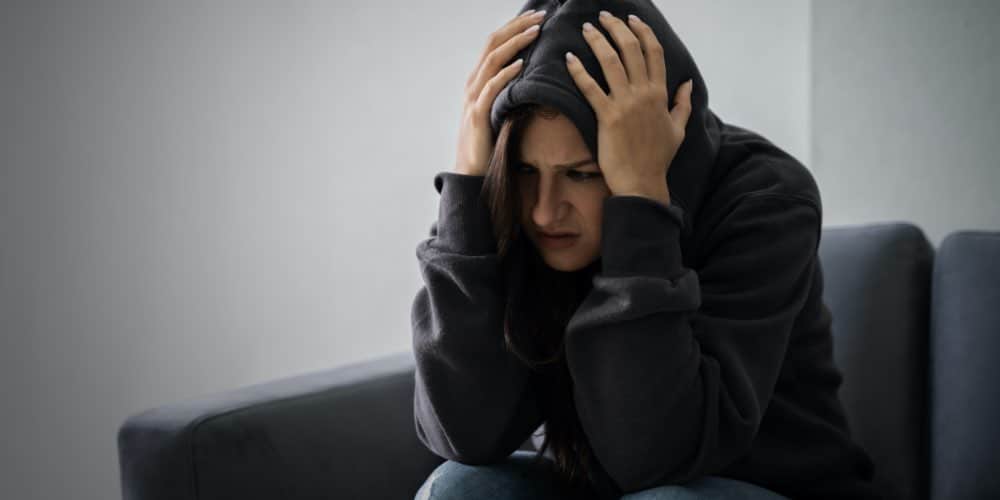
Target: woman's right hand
point(475, 137)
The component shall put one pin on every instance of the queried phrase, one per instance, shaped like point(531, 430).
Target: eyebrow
point(566, 166)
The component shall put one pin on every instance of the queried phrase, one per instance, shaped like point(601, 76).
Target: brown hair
point(540, 302)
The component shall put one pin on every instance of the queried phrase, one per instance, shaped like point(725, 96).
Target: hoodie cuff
point(464, 225)
point(641, 237)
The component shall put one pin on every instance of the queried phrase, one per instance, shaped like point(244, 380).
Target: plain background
point(197, 196)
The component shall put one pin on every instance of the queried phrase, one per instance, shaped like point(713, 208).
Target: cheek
point(525, 201)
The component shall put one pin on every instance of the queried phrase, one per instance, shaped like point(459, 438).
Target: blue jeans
point(518, 478)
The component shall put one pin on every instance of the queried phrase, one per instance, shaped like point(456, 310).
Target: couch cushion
point(965, 367)
point(877, 286)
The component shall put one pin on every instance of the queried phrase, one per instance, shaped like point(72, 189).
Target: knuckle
point(608, 58)
point(652, 99)
point(476, 108)
point(490, 59)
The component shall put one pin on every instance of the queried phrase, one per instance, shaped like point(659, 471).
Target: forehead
point(548, 140)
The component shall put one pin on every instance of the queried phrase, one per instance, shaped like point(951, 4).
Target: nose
point(549, 204)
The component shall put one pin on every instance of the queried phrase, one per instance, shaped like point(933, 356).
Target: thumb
point(682, 104)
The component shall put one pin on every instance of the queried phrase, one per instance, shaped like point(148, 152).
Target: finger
point(682, 105)
point(628, 45)
point(588, 86)
point(501, 36)
point(611, 65)
point(502, 55)
point(485, 101)
point(655, 63)
point(508, 30)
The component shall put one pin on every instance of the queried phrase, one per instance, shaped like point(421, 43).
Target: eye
point(582, 176)
point(577, 176)
point(521, 168)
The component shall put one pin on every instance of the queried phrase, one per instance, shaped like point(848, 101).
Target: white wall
point(755, 59)
point(906, 120)
point(196, 197)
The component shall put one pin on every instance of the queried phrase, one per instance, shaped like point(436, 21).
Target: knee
point(517, 477)
point(444, 482)
point(665, 492)
point(706, 488)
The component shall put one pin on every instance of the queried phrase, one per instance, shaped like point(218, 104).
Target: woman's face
point(555, 199)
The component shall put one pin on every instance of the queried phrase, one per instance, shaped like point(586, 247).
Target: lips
point(557, 235)
point(557, 242)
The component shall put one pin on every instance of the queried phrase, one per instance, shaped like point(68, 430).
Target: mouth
point(563, 240)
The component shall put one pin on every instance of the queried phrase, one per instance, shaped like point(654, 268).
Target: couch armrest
point(345, 432)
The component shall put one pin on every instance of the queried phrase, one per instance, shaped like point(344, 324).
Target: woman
point(674, 343)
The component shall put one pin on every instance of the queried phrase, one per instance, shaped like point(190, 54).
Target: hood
point(545, 80)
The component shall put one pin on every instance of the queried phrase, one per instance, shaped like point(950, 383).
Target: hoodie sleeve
point(473, 402)
point(673, 368)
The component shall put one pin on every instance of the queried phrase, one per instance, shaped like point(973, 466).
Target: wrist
point(468, 172)
point(467, 169)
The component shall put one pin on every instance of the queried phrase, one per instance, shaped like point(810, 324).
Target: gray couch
point(917, 336)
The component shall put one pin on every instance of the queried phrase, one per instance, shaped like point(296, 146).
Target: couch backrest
point(877, 280)
point(965, 367)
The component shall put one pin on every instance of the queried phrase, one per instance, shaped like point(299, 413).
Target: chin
point(566, 261)
point(562, 265)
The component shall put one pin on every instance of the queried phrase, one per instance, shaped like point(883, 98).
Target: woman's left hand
point(637, 136)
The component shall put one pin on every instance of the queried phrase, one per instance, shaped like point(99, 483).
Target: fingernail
point(540, 13)
point(587, 26)
point(605, 13)
point(570, 57)
point(633, 18)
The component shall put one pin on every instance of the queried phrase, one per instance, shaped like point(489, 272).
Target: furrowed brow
point(566, 166)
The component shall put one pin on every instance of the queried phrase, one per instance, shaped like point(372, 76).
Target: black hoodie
point(702, 348)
